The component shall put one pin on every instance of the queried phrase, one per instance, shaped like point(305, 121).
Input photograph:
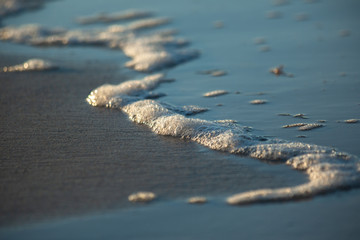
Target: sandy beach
point(73, 159)
point(67, 168)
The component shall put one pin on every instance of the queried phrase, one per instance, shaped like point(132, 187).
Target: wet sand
point(67, 169)
point(62, 157)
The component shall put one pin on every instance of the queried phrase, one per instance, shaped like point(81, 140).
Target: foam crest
point(281, 150)
point(165, 121)
point(328, 170)
point(103, 95)
point(150, 61)
point(148, 52)
point(156, 51)
point(29, 33)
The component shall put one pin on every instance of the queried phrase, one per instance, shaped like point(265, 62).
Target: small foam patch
point(31, 65)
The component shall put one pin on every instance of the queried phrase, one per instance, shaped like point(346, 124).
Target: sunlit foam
point(148, 52)
point(31, 65)
point(328, 169)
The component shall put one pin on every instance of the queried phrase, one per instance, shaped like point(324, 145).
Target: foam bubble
point(142, 197)
point(328, 170)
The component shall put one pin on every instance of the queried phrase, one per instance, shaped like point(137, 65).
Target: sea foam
point(148, 51)
point(31, 65)
point(328, 169)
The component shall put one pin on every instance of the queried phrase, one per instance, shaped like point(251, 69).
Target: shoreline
point(63, 157)
point(66, 162)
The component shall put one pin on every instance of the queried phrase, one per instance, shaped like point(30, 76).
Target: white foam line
point(328, 170)
point(148, 53)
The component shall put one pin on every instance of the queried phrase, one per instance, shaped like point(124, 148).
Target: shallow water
point(322, 218)
point(316, 59)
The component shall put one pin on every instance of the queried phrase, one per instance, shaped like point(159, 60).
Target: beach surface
point(67, 168)
point(327, 217)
